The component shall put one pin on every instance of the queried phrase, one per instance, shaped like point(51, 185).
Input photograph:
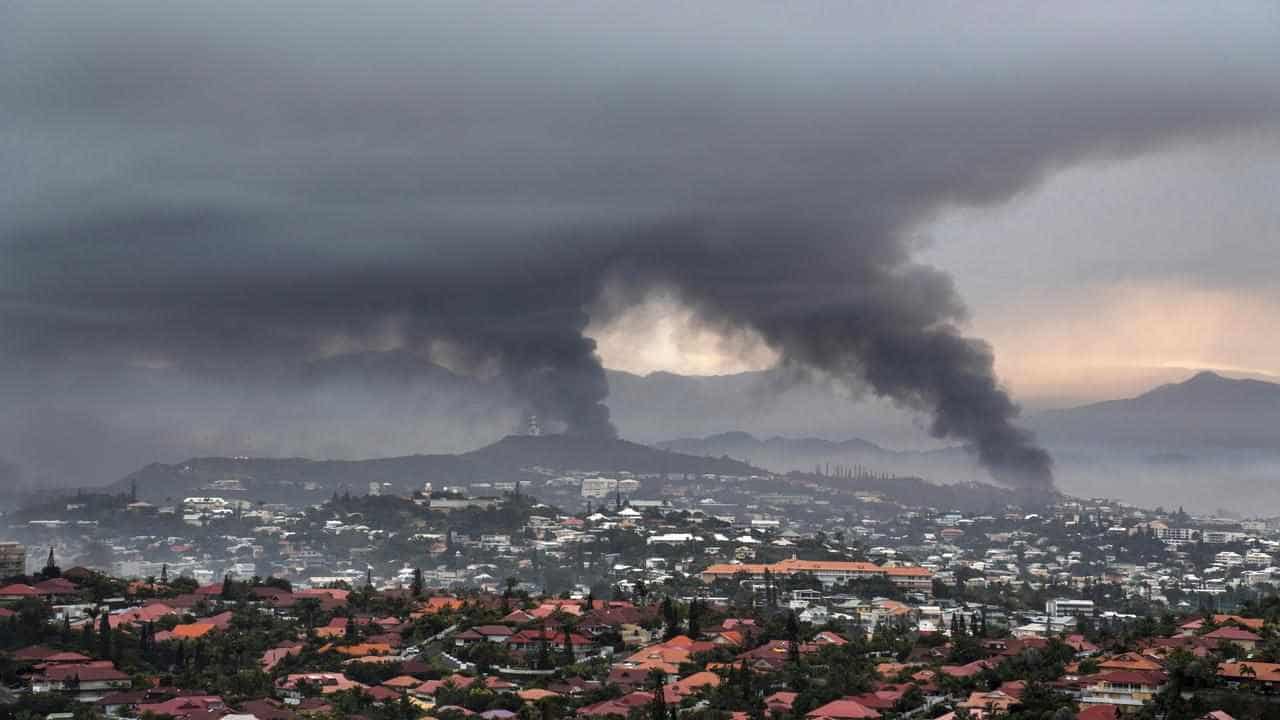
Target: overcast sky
point(895, 194)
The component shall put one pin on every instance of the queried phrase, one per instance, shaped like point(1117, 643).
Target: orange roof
point(547, 609)
point(362, 649)
point(735, 568)
point(733, 637)
point(535, 694)
point(994, 700)
point(795, 565)
point(672, 694)
point(439, 603)
point(893, 607)
point(1261, 671)
point(191, 631)
point(1130, 661)
point(660, 657)
point(1250, 623)
point(696, 680)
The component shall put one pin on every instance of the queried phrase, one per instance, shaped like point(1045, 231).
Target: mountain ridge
point(1206, 411)
point(1205, 388)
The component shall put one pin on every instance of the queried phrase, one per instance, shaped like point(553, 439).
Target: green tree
point(670, 617)
point(416, 586)
point(104, 637)
point(658, 707)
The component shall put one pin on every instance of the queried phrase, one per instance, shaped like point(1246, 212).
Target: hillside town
point(590, 596)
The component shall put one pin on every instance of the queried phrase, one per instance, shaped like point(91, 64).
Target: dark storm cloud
point(232, 190)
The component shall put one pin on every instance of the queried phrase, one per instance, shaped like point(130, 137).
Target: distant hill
point(1207, 411)
point(1203, 391)
point(509, 459)
point(1209, 442)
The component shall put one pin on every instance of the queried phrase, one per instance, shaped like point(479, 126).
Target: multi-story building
point(1062, 607)
point(1174, 535)
point(1222, 537)
point(13, 559)
point(608, 487)
point(1257, 559)
point(1228, 558)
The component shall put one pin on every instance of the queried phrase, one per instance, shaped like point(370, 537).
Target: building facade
point(13, 559)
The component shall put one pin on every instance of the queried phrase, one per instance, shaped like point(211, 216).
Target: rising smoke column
point(856, 309)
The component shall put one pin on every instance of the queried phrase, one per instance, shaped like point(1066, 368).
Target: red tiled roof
point(185, 706)
point(1132, 677)
point(967, 670)
point(382, 694)
point(781, 700)
point(33, 652)
point(65, 657)
point(1250, 623)
point(620, 707)
point(273, 656)
point(147, 613)
point(1098, 712)
point(673, 693)
point(57, 586)
point(86, 673)
point(1233, 634)
point(843, 709)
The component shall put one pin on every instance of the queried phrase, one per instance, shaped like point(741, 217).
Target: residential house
point(1128, 688)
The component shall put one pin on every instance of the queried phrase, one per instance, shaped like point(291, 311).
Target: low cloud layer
point(231, 193)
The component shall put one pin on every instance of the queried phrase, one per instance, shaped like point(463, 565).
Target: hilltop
point(1205, 411)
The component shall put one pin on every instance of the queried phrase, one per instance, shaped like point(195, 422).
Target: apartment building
point(13, 559)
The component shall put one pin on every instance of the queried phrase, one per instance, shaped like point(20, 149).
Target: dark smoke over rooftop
point(229, 192)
